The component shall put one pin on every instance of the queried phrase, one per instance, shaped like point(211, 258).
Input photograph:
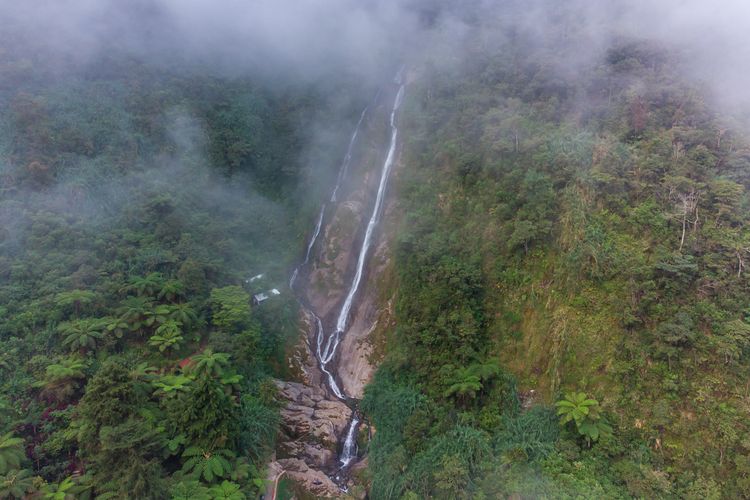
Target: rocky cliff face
point(314, 419)
point(309, 435)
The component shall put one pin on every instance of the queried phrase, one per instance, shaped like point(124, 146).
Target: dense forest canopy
point(570, 287)
point(572, 295)
point(136, 201)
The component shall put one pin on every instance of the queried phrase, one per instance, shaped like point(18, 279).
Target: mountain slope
point(566, 231)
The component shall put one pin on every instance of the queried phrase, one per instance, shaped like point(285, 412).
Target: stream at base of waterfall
point(324, 343)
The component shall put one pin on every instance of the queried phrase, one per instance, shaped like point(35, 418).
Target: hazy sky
point(319, 36)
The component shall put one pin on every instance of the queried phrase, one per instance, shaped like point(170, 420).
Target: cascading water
point(349, 450)
point(332, 342)
point(342, 173)
point(326, 347)
point(350, 444)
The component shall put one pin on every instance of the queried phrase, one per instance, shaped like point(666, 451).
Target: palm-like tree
point(184, 313)
point(227, 490)
point(167, 336)
point(209, 363)
point(576, 407)
point(134, 311)
point(157, 315)
point(60, 491)
point(11, 453)
point(16, 484)
point(469, 381)
point(115, 326)
point(584, 412)
point(74, 300)
point(145, 285)
point(171, 290)
point(465, 388)
point(172, 384)
point(191, 489)
point(82, 334)
point(62, 379)
point(210, 465)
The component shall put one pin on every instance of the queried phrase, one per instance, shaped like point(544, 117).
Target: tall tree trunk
point(684, 224)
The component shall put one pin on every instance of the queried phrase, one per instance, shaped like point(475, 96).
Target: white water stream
point(326, 347)
point(349, 450)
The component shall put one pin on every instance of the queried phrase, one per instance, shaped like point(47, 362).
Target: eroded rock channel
point(318, 444)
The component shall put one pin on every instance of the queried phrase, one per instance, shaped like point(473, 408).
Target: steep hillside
point(566, 231)
point(135, 203)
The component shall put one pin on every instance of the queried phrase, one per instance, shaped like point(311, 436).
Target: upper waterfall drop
point(346, 307)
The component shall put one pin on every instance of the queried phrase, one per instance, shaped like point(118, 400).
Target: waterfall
point(326, 347)
point(349, 452)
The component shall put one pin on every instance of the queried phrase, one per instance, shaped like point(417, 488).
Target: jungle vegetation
point(135, 201)
point(572, 294)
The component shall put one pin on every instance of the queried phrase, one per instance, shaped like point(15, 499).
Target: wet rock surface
point(314, 419)
point(314, 481)
point(311, 424)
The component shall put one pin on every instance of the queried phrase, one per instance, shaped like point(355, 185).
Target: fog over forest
point(388, 249)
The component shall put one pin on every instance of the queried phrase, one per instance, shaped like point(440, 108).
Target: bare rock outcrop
point(314, 481)
point(327, 278)
point(311, 424)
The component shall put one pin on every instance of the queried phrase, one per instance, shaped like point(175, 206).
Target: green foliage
point(209, 363)
point(231, 308)
point(258, 424)
point(205, 413)
point(209, 465)
point(16, 484)
point(227, 490)
point(167, 336)
point(60, 491)
point(11, 453)
point(190, 489)
point(134, 200)
point(81, 334)
point(579, 409)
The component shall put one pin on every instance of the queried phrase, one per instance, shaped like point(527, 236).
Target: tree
point(576, 407)
point(64, 490)
point(733, 340)
point(82, 334)
point(209, 363)
point(126, 460)
point(470, 380)
point(148, 285)
point(74, 301)
point(122, 447)
point(167, 336)
point(110, 399)
point(230, 308)
point(467, 387)
point(16, 484)
point(157, 316)
point(172, 384)
point(207, 464)
point(190, 489)
point(685, 194)
point(205, 413)
point(115, 326)
point(184, 313)
point(63, 378)
point(227, 490)
point(133, 311)
point(11, 453)
point(171, 290)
